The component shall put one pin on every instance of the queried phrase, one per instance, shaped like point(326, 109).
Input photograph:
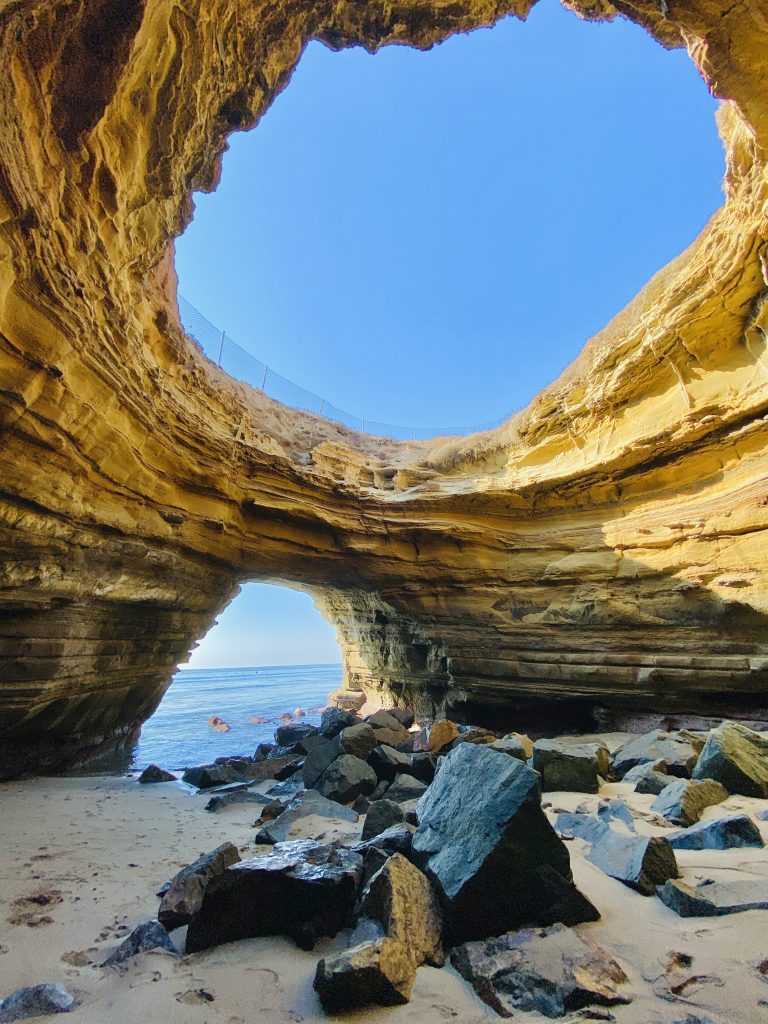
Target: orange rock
point(441, 734)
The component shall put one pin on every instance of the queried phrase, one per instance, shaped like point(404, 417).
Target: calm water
point(178, 734)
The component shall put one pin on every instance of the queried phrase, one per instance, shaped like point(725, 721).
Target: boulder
point(515, 744)
point(395, 839)
point(287, 789)
point(288, 770)
point(236, 796)
point(36, 1001)
point(640, 862)
point(387, 762)
point(405, 788)
point(735, 830)
point(490, 851)
point(381, 814)
point(713, 899)
point(401, 901)
point(347, 700)
point(475, 734)
point(387, 728)
point(333, 720)
point(287, 735)
point(206, 776)
point(423, 766)
point(357, 740)
point(346, 778)
point(616, 810)
point(441, 735)
point(302, 889)
point(582, 826)
point(145, 936)
point(551, 971)
point(381, 788)
point(650, 777)
point(404, 716)
point(373, 973)
point(680, 751)
point(306, 804)
point(737, 757)
point(154, 774)
point(574, 767)
point(373, 860)
point(262, 751)
point(684, 802)
point(185, 893)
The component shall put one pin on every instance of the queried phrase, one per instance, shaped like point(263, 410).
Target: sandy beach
point(82, 859)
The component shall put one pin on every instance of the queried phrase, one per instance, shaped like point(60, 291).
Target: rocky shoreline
point(517, 863)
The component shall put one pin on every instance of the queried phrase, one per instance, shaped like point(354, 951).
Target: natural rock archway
point(605, 548)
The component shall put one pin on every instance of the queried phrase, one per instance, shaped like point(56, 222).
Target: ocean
point(178, 734)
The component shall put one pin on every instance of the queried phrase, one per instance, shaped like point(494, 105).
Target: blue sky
point(429, 238)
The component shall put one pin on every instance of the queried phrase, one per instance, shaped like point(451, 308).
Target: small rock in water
point(145, 936)
point(738, 758)
point(299, 713)
point(684, 802)
point(550, 971)
point(641, 862)
point(36, 1001)
point(152, 773)
point(735, 830)
point(257, 720)
point(714, 899)
point(185, 893)
point(218, 724)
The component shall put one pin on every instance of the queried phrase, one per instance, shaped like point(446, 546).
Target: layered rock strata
point(603, 549)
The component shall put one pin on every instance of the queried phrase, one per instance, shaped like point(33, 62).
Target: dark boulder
point(305, 804)
point(387, 762)
point(405, 788)
point(236, 796)
point(650, 777)
point(381, 814)
point(154, 774)
point(346, 778)
point(404, 716)
point(238, 770)
point(262, 751)
point(574, 767)
point(489, 849)
point(36, 1001)
point(714, 899)
point(737, 757)
point(400, 899)
point(185, 893)
point(679, 750)
point(684, 802)
point(387, 728)
point(302, 889)
point(288, 770)
point(551, 971)
point(735, 830)
point(205, 776)
point(395, 839)
point(423, 766)
point(286, 735)
point(640, 862)
point(333, 720)
point(145, 936)
point(373, 973)
point(292, 750)
point(516, 745)
point(358, 740)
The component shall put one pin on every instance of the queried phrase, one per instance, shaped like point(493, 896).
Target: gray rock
point(287, 789)
point(185, 893)
point(36, 1001)
point(512, 745)
point(286, 735)
point(395, 839)
point(423, 766)
point(145, 936)
point(714, 899)
point(405, 788)
point(404, 716)
point(737, 757)
point(576, 768)
point(305, 804)
point(640, 862)
point(381, 788)
point(650, 777)
point(153, 774)
point(582, 826)
point(489, 849)
point(616, 810)
point(262, 751)
point(357, 740)
point(302, 889)
point(381, 814)
point(680, 751)
point(239, 770)
point(346, 778)
point(684, 802)
point(237, 796)
point(735, 830)
point(333, 720)
point(388, 762)
point(549, 971)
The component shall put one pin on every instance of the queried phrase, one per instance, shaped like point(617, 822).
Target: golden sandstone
point(602, 553)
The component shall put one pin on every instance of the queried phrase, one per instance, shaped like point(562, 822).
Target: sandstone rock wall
point(604, 549)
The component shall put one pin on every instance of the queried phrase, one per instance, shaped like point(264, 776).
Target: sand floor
point(82, 858)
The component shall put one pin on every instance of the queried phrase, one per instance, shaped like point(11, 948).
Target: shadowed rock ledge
point(603, 551)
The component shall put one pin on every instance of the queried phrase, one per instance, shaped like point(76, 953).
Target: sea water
point(178, 734)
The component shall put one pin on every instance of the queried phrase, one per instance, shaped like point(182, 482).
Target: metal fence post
point(322, 406)
point(264, 381)
point(221, 347)
point(362, 424)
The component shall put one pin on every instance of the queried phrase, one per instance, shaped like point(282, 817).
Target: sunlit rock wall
point(602, 554)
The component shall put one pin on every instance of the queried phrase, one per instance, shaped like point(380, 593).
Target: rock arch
point(605, 548)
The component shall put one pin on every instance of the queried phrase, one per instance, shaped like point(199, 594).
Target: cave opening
point(429, 238)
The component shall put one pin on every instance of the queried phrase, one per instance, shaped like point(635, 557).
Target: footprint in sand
point(27, 908)
point(76, 957)
point(195, 996)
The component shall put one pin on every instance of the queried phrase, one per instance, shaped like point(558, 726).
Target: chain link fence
point(238, 363)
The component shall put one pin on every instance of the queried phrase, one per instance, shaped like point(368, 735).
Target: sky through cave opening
point(430, 238)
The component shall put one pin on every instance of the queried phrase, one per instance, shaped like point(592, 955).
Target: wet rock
point(262, 751)
point(286, 735)
point(36, 1001)
point(550, 971)
point(387, 762)
point(306, 804)
point(395, 839)
point(346, 778)
point(381, 815)
point(293, 750)
point(145, 936)
point(640, 862)
point(152, 773)
point(405, 788)
point(187, 888)
point(489, 849)
point(737, 757)
point(684, 802)
point(680, 751)
point(423, 766)
point(441, 735)
point(650, 777)
point(714, 899)
point(286, 790)
point(616, 810)
point(735, 830)
point(583, 826)
point(302, 889)
point(236, 796)
point(206, 776)
point(374, 973)
point(237, 770)
point(333, 720)
point(574, 767)
point(516, 745)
